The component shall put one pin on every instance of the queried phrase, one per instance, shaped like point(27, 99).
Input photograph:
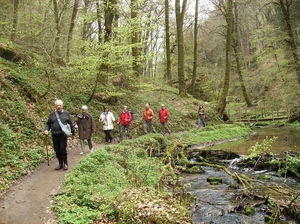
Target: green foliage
point(290, 164)
point(100, 179)
point(260, 149)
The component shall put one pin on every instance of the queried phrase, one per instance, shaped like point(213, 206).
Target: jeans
point(201, 121)
point(122, 130)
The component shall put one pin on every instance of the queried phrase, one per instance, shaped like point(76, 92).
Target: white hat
point(84, 107)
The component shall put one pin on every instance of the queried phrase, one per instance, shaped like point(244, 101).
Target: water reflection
point(287, 139)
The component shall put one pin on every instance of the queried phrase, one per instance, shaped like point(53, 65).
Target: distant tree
point(179, 26)
point(72, 26)
point(195, 47)
point(285, 7)
point(59, 11)
point(135, 40)
point(237, 54)
point(15, 19)
point(223, 97)
point(168, 75)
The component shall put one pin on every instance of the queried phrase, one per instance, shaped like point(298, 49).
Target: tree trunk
point(135, 38)
point(195, 48)
point(57, 19)
point(237, 53)
point(285, 8)
point(179, 25)
point(72, 26)
point(15, 20)
point(110, 14)
point(168, 75)
point(223, 101)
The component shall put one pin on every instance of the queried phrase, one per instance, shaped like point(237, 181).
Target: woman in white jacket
point(106, 119)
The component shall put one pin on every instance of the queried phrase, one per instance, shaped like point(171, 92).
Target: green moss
point(250, 210)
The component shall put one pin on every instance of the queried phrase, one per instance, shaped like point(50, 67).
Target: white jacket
point(107, 121)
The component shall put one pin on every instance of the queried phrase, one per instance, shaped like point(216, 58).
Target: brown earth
point(29, 200)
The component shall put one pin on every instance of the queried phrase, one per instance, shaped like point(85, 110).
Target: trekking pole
point(46, 143)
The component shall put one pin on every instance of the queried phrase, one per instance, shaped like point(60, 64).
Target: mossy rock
point(249, 210)
point(264, 177)
point(214, 180)
point(194, 169)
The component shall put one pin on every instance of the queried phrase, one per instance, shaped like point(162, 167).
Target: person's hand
point(165, 118)
point(46, 132)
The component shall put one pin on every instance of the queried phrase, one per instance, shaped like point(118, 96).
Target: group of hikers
point(85, 125)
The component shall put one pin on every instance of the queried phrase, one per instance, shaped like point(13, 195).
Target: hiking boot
point(65, 166)
point(59, 167)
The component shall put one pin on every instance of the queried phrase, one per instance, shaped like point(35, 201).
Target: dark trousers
point(108, 137)
point(60, 145)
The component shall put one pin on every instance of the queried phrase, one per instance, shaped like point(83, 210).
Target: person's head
point(105, 108)
point(201, 106)
point(162, 106)
point(84, 109)
point(147, 106)
point(59, 104)
point(125, 108)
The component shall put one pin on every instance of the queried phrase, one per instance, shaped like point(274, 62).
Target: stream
point(217, 204)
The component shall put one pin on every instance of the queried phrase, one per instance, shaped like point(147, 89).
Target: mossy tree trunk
point(168, 75)
point(195, 48)
point(135, 38)
point(71, 29)
point(237, 53)
point(285, 6)
point(222, 100)
point(179, 25)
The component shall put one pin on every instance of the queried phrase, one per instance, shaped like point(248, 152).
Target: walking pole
point(47, 148)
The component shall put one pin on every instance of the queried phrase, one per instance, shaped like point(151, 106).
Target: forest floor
point(30, 199)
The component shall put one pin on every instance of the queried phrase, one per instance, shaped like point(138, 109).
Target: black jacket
point(53, 125)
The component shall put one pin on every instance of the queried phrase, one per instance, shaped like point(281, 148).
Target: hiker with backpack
point(163, 116)
point(106, 119)
point(125, 122)
point(148, 116)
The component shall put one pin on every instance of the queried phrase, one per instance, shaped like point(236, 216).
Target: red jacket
point(125, 118)
point(163, 115)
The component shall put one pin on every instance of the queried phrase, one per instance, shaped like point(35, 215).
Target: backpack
point(132, 116)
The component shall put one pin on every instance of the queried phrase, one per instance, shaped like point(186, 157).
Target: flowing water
point(216, 203)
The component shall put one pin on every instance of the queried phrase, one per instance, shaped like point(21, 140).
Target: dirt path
point(30, 199)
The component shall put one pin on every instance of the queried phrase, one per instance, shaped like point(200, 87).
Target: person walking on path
point(58, 138)
point(86, 127)
point(106, 119)
point(201, 118)
point(124, 122)
point(148, 116)
point(163, 116)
